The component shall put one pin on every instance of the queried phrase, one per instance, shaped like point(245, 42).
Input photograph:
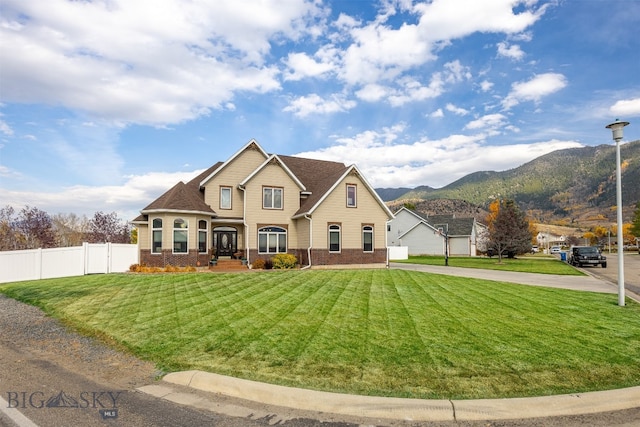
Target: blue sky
point(104, 105)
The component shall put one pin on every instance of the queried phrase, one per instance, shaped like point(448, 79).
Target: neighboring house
point(425, 234)
point(546, 240)
point(256, 205)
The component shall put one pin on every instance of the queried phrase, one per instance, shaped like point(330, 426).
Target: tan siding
point(333, 209)
point(302, 231)
point(233, 174)
point(144, 240)
point(272, 176)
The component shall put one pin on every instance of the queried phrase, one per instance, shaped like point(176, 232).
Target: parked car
point(534, 249)
point(586, 255)
point(556, 249)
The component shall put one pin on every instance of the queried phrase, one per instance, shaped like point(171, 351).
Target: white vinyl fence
point(90, 258)
point(398, 252)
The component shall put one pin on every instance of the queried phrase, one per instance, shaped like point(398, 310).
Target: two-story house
point(257, 205)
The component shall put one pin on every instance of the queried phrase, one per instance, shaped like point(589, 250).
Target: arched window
point(272, 240)
point(156, 236)
point(367, 238)
point(180, 236)
point(334, 238)
point(203, 227)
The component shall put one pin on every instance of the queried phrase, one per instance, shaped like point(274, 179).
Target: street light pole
point(616, 129)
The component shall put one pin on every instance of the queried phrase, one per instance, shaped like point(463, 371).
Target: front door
point(225, 242)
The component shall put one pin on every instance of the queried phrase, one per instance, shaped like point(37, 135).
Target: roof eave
point(178, 211)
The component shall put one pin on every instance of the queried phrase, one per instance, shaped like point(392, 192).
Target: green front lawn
point(376, 332)
point(545, 265)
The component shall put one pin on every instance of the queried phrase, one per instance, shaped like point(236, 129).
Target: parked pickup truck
point(586, 255)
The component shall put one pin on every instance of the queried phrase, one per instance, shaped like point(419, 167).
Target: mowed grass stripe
point(382, 332)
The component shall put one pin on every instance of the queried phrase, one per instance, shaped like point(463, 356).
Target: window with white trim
point(334, 238)
point(272, 240)
point(180, 236)
point(352, 195)
point(202, 236)
point(272, 198)
point(156, 236)
point(367, 238)
point(225, 197)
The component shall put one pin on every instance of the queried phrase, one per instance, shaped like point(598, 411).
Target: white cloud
point(456, 110)
point(301, 66)
point(118, 61)
point(533, 90)
point(374, 92)
point(390, 163)
point(437, 114)
point(314, 104)
point(491, 121)
point(5, 128)
point(626, 107)
point(512, 52)
point(486, 85)
point(381, 52)
point(126, 199)
point(450, 19)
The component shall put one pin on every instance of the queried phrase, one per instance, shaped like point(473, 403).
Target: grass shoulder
point(530, 264)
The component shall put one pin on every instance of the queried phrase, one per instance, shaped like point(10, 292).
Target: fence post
point(85, 257)
point(39, 264)
point(109, 257)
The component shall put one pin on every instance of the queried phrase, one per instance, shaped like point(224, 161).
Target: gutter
point(310, 241)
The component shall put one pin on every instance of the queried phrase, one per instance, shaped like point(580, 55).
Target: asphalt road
point(610, 274)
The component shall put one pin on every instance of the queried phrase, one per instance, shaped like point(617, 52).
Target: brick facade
point(322, 257)
point(348, 257)
point(167, 257)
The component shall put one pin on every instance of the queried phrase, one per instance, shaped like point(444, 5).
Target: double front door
point(225, 241)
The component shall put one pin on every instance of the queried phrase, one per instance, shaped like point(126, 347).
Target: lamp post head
point(616, 129)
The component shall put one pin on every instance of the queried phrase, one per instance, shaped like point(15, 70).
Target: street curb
point(409, 409)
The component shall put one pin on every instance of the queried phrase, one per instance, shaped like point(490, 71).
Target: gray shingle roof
point(318, 176)
point(456, 226)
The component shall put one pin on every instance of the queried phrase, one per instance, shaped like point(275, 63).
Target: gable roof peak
point(251, 145)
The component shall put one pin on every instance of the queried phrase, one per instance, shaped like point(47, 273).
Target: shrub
point(268, 264)
point(258, 264)
point(284, 261)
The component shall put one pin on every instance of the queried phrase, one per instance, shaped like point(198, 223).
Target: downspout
point(244, 222)
point(310, 241)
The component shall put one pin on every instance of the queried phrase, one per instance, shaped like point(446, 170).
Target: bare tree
point(70, 229)
point(36, 228)
point(10, 238)
point(108, 228)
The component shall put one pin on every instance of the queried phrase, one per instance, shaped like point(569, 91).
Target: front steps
point(228, 265)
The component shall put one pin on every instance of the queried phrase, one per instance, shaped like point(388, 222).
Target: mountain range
point(575, 187)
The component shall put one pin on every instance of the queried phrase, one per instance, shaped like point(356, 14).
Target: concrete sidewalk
point(396, 408)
